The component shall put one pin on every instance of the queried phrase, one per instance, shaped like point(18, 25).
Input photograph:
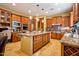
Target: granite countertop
point(57, 32)
point(32, 33)
point(68, 40)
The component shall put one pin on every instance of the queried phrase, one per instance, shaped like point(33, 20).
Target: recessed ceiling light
point(46, 12)
point(42, 9)
point(13, 4)
point(37, 5)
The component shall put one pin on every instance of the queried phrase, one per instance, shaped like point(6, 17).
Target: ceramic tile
point(53, 48)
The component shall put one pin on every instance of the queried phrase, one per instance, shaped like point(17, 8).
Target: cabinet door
point(59, 36)
point(66, 21)
point(59, 20)
point(24, 20)
point(48, 37)
point(16, 18)
point(37, 42)
point(54, 20)
point(76, 11)
point(53, 36)
point(15, 37)
point(45, 38)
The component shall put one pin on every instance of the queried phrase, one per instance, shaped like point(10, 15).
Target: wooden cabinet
point(76, 11)
point(59, 20)
point(5, 18)
point(60, 35)
point(66, 21)
point(63, 20)
point(57, 36)
point(40, 40)
point(49, 22)
point(53, 35)
point(74, 14)
point(16, 18)
point(16, 22)
point(24, 23)
point(46, 38)
point(54, 20)
point(15, 37)
point(24, 20)
point(37, 42)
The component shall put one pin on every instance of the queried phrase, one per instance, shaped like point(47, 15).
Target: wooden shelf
point(71, 51)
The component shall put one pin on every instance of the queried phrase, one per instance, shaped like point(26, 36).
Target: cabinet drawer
point(39, 41)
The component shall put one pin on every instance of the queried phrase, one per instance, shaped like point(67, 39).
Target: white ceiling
point(49, 8)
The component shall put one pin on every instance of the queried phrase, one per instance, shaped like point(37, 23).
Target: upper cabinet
point(8, 17)
point(5, 18)
point(59, 20)
point(75, 12)
point(16, 18)
point(54, 20)
point(24, 20)
point(66, 21)
point(2, 16)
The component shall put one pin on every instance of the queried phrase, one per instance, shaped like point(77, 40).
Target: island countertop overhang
point(32, 33)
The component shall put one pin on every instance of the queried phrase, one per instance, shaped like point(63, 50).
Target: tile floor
point(53, 48)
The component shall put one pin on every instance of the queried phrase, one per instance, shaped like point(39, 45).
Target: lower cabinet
point(15, 37)
point(57, 36)
point(53, 36)
point(40, 41)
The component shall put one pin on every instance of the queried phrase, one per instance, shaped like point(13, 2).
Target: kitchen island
point(31, 42)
